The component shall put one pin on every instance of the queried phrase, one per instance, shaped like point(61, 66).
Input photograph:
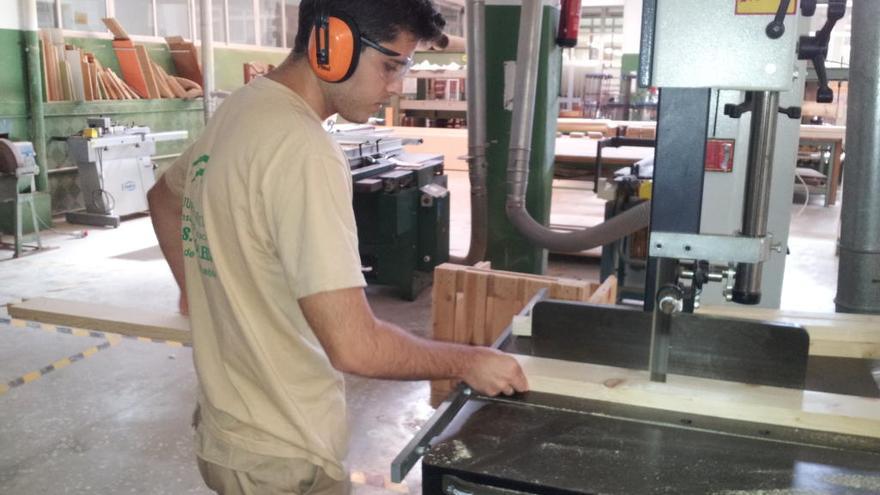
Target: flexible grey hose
point(477, 168)
point(528, 56)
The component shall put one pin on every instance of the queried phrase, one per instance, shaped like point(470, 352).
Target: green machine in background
point(507, 249)
point(401, 206)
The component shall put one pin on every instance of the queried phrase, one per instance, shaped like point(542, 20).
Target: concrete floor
point(116, 418)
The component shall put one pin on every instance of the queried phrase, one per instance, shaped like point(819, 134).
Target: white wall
point(10, 17)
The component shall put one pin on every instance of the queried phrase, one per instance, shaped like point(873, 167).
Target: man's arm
point(357, 342)
point(165, 212)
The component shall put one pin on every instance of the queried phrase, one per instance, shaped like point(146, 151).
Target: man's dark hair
point(378, 20)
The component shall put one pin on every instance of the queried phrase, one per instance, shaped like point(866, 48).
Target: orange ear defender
point(334, 48)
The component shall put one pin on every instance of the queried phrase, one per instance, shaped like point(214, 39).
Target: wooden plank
point(124, 321)
point(87, 80)
point(74, 64)
point(66, 82)
point(116, 28)
point(817, 411)
point(831, 334)
point(47, 95)
point(147, 69)
point(443, 305)
point(161, 80)
point(130, 66)
point(475, 288)
point(186, 61)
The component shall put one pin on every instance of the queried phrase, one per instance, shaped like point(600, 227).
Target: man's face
point(376, 79)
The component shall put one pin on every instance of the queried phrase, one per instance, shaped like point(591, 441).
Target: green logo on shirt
point(202, 162)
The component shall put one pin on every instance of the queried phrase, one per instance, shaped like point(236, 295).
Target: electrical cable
point(806, 191)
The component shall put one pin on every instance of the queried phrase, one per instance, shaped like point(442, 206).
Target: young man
point(256, 222)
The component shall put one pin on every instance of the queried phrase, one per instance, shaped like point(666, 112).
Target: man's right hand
point(494, 372)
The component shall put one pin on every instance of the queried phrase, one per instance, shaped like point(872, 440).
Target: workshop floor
point(84, 413)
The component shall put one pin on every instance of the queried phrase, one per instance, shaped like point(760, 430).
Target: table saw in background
point(401, 206)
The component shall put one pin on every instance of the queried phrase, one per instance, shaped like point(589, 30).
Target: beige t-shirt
point(267, 220)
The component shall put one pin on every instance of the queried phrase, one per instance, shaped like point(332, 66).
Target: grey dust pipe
point(858, 281)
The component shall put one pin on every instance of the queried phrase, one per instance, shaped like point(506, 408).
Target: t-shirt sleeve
point(312, 226)
point(175, 176)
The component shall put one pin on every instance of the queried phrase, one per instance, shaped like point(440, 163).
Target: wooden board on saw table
point(842, 414)
point(124, 321)
point(831, 334)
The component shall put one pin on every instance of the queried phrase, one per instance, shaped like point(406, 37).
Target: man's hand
point(494, 373)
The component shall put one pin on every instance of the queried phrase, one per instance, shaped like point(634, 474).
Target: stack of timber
point(148, 79)
point(473, 305)
point(71, 74)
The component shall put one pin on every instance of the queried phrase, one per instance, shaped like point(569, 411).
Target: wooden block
point(605, 293)
point(443, 305)
point(124, 321)
point(147, 68)
point(476, 287)
point(809, 410)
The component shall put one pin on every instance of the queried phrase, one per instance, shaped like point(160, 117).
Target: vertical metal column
point(762, 137)
point(35, 88)
point(858, 281)
point(207, 57)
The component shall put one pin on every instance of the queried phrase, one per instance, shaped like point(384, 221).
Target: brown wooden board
point(104, 318)
point(130, 67)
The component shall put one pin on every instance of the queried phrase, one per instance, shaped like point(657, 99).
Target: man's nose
point(395, 87)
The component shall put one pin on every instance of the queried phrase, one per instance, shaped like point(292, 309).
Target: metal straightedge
point(736, 249)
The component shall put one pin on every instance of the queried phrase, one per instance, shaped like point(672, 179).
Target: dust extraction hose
point(528, 56)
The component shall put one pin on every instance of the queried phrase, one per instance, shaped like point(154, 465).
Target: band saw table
point(557, 444)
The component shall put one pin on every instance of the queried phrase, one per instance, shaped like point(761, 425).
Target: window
point(219, 19)
point(136, 16)
point(46, 17)
point(242, 28)
point(454, 17)
point(83, 15)
point(291, 12)
point(271, 22)
point(172, 18)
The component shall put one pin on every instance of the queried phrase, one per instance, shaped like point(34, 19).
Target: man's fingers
point(521, 383)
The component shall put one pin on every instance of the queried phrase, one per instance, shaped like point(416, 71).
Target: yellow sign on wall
point(762, 7)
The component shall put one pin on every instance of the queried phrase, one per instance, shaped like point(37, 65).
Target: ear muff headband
point(334, 48)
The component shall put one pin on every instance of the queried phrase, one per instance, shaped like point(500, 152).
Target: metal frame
point(725, 248)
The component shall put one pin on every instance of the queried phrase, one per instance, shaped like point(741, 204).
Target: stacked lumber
point(473, 305)
point(71, 74)
point(147, 78)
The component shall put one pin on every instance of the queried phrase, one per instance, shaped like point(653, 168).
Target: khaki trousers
point(275, 476)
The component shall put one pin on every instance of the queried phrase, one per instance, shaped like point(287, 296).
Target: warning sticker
point(763, 7)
